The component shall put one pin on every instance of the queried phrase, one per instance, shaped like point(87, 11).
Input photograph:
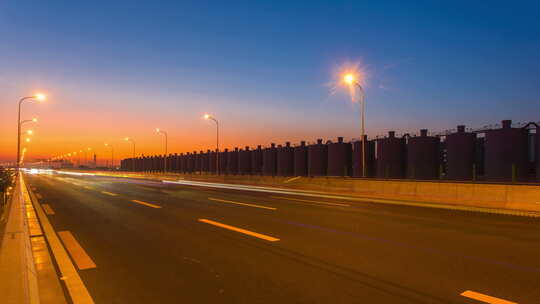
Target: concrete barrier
point(525, 197)
point(18, 277)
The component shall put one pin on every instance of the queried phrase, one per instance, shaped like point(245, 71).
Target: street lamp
point(350, 79)
point(208, 116)
point(159, 131)
point(86, 156)
point(132, 159)
point(112, 155)
point(28, 120)
point(79, 159)
point(38, 97)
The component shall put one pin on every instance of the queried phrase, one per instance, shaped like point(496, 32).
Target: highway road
point(142, 241)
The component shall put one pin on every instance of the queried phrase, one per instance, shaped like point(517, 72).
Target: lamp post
point(86, 156)
point(78, 159)
point(350, 80)
point(28, 120)
point(133, 158)
point(208, 116)
point(38, 97)
point(159, 131)
point(112, 155)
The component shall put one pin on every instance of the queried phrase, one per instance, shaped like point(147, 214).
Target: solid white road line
point(82, 259)
point(47, 209)
point(485, 298)
point(75, 286)
point(232, 228)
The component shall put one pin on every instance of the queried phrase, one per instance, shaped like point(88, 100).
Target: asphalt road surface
point(151, 242)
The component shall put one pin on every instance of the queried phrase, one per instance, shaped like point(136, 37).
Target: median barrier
point(524, 197)
point(18, 277)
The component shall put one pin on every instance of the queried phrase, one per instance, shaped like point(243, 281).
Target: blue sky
point(263, 67)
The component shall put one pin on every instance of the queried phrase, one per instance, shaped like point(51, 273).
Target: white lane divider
point(109, 193)
point(240, 230)
point(82, 259)
point(146, 204)
point(485, 298)
point(75, 286)
point(47, 209)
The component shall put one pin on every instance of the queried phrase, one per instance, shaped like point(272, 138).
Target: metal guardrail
point(18, 277)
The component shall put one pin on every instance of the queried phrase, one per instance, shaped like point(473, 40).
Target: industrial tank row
point(504, 154)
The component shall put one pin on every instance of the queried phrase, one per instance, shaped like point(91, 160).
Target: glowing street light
point(133, 158)
point(36, 97)
point(27, 140)
point(159, 131)
point(207, 117)
point(29, 120)
point(86, 156)
point(29, 132)
point(351, 80)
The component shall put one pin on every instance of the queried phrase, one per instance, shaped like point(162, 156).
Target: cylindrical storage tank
point(300, 159)
point(174, 163)
point(270, 160)
point(317, 159)
point(285, 160)
point(232, 162)
point(157, 163)
point(391, 157)
point(205, 162)
point(423, 156)
point(198, 161)
point(537, 158)
point(358, 162)
point(460, 155)
point(168, 162)
point(223, 157)
point(212, 162)
point(202, 161)
point(257, 160)
point(177, 165)
point(506, 153)
point(148, 164)
point(480, 156)
point(189, 162)
point(339, 158)
point(244, 161)
point(182, 162)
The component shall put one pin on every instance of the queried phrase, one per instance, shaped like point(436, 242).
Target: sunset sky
point(265, 69)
